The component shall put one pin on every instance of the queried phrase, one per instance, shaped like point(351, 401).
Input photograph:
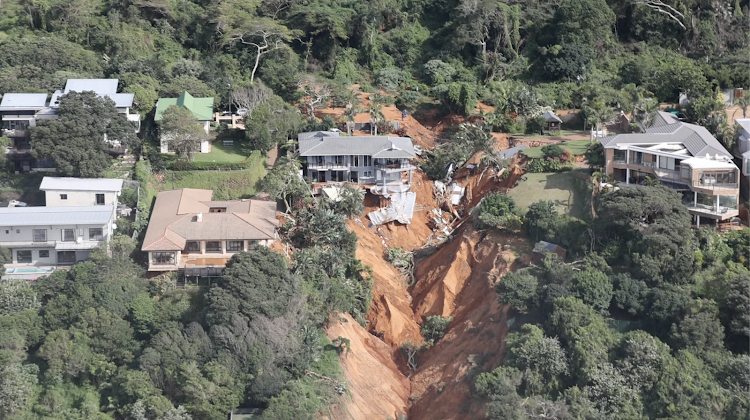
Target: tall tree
point(182, 130)
point(77, 141)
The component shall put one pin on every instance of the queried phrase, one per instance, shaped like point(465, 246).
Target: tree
point(540, 219)
point(586, 23)
point(17, 387)
point(77, 141)
point(434, 328)
point(16, 296)
point(700, 331)
point(517, 289)
point(284, 182)
point(263, 36)
point(5, 258)
point(253, 284)
point(594, 288)
point(595, 155)
point(496, 210)
point(249, 98)
point(743, 102)
point(181, 128)
point(314, 93)
point(541, 358)
point(270, 123)
point(351, 200)
point(500, 387)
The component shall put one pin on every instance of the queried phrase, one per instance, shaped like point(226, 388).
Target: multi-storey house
point(380, 161)
point(685, 157)
point(189, 231)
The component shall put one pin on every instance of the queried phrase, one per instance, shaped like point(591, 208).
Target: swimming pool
point(30, 270)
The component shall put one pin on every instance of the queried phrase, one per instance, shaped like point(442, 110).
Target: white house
point(78, 192)
point(53, 236)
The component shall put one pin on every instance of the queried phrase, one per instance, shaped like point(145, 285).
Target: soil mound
point(377, 389)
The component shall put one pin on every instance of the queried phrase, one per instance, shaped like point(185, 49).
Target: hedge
point(182, 165)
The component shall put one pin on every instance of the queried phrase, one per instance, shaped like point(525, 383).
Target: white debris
point(401, 209)
point(457, 193)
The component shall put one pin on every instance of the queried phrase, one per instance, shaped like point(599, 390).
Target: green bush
point(433, 328)
point(497, 209)
point(553, 151)
point(548, 165)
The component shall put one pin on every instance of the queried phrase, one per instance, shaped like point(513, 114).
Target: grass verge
point(576, 147)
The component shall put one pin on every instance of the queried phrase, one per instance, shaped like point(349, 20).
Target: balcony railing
point(717, 185)
point(328, 165)
point(396, 167)
point(704, 208)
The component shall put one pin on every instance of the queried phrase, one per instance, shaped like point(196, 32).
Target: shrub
point(183, 165)
point(535, 125)
point(433, 329)
point(496, 210)
point(553, 151)
point(390, 78)
point(409, 99)
point(548, 165)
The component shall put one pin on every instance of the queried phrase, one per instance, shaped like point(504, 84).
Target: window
point(356, 160)
point(685, 172)
point(217, 210)
point(63, 196)
point(367, 160)
point(15, 125)
point(18, 230)
point(100, 199)
point(162, 258)
point(23, 257)
point(213, 246)
point(367, 174)
point(68, 235)
point(44, 253)
point(96, 234)
point(40, 235)
point(235, 246)
point(193, 246)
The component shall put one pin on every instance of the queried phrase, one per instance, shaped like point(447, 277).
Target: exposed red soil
point(377, 389)
point(458, 281)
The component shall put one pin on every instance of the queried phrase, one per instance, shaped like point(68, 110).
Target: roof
point(543, 246)
point(39, 216)
point(551, 116)
point(174, 220)
point(80, 184)
point(23, 101)
point(322, 144)
point(202, 108)
point(510, 153)
point(742, 122)
point(703, 163)
point(102, 87)
point(667, 128)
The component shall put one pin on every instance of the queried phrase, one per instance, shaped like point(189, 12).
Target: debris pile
point(401, 209)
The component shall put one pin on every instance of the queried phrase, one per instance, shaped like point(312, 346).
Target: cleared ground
point(576, 147)
point(558, 187)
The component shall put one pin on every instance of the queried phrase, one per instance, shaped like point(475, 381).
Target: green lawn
point(220, 153)
point(576, 147)
point(558, 187)
point(226, 184)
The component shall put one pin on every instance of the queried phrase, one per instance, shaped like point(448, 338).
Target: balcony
point(396, 167)
point(328, 165)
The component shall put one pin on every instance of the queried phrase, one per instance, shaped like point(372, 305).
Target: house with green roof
point(202, 109)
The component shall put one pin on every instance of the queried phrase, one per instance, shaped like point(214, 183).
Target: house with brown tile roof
point(190, 230)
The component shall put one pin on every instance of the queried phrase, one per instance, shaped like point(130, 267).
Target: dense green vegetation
point(101, 342)
point(651, 323)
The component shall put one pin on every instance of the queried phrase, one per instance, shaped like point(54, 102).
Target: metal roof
point(744, 123)
point(102, 87)
point(310, 134)
point(23, 101)
point(46, 216)
point(375, 146)
point(551, 116)
point(202, 108)
point(80, 184)
point(509, 153)
point(666, 128)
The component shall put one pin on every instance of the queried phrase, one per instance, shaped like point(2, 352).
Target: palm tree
point(645, 112)
point(376, 115)
point(349, 113)
point(743, 102)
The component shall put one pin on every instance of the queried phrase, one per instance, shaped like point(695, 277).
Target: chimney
point(199, 217)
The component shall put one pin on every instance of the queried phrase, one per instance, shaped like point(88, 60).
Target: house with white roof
point(79, 216)
point(380, 161)
point(19, 111)
point(53, 236)
point(685, 157)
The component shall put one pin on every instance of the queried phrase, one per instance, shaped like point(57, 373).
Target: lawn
point(576, 147)
point(220, 153)
point(558, 187)
point(227, 185)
